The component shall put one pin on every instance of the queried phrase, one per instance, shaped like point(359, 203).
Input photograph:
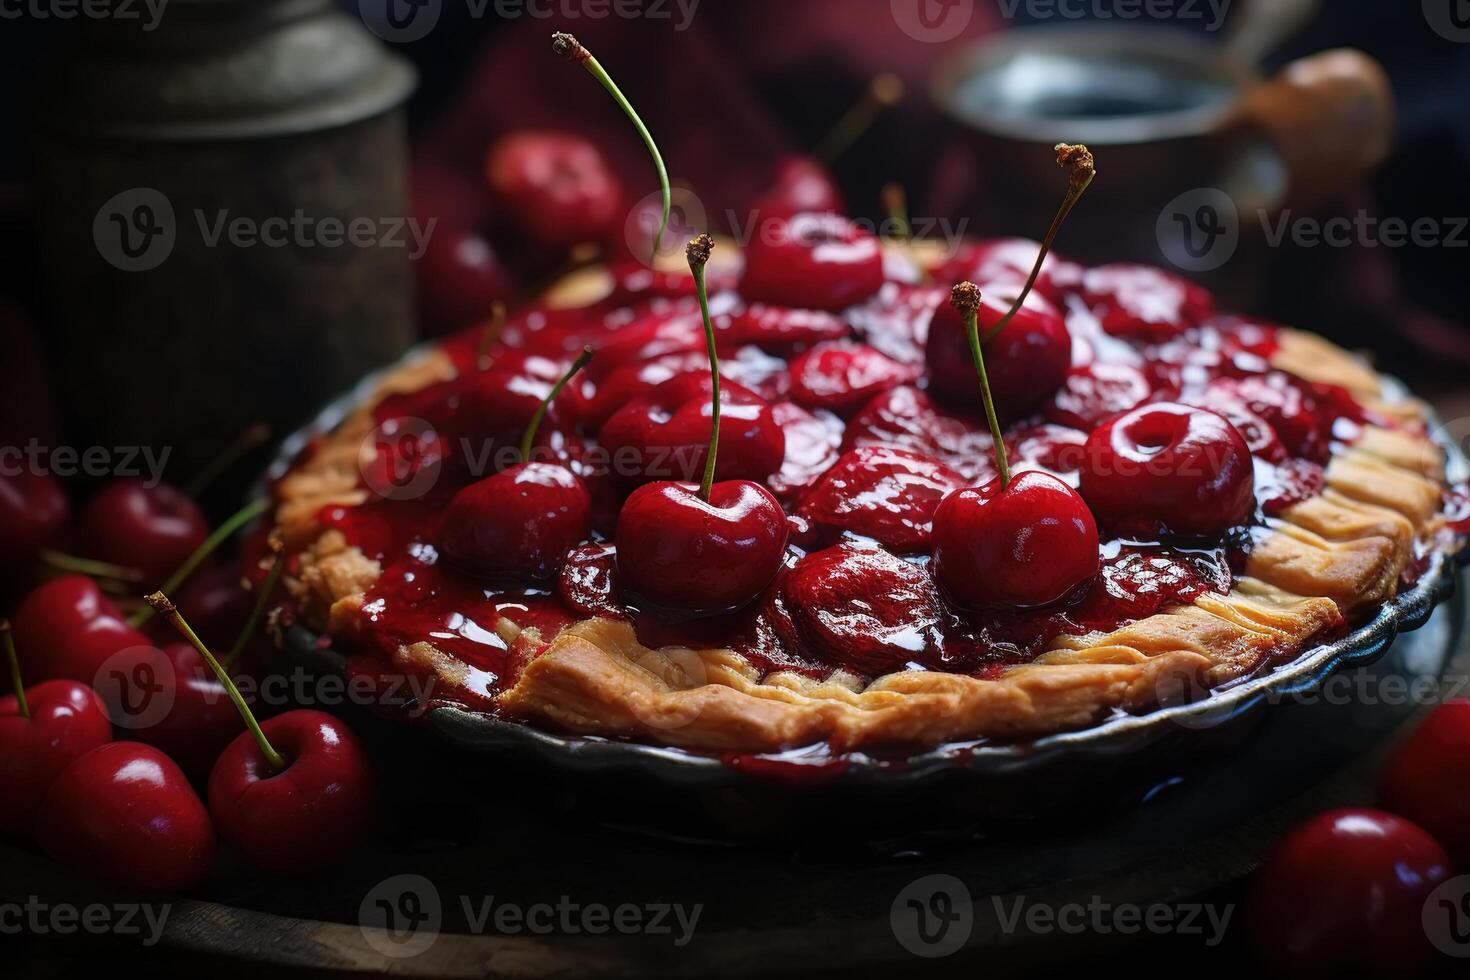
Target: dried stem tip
point(698, 250)
point(1077, 161)
point(161, 603)
point(569, 47)
point(965, 297)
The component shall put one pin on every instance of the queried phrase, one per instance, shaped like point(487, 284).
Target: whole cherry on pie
point(706, 549)
point(520, 523)
point(815, 261)
point(1168, 468)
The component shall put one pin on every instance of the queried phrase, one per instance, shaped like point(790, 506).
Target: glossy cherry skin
point(1427, 778)
point(68, 629)
point(1344, 893)
point(799, 184)
point(696, 557)
point(200, 719)
point(1011, 258)
point(460, 278)
point(519, 524)
point(67, 721)
point(33, 510)
point(814, 261)
point(308, 815)
point(1168, 468)
point(1025, 363)
point(125, 812)
point(557, 186)
point(1030, 544)
point(664, 434)
point(150, 528)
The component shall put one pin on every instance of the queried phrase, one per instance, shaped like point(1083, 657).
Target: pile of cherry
point(115, 792)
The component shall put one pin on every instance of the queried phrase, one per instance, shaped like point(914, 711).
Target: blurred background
point(1227, 143)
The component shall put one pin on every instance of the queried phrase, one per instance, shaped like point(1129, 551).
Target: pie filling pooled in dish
point(859, 435)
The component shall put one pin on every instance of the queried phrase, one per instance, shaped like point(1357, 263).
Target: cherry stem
point(966, 299)
point(88, 566)
point(697, 252)
point(883, 91)
point(161, 604)
point(221, 534)
point(896, 204)
point(252, 438)
point(1081, 169)
point(272, 579)
point(494, 327)
point(14, 661)
point(529, 436)
point(570, 47)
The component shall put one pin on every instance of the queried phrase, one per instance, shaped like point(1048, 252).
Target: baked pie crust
point(1316, 565)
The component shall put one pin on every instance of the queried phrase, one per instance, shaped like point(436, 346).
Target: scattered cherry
point(151, 527)
point(813, 261)
point(708, 549)
point(1344, 893)
point(42, 729)
point(460, 279)
point(33, 510)
point(200, 720)
point(1168, 468)
point(1427, 778)
point(68, 629)
point(556, 185)
point(125, 812)
point(799, 185)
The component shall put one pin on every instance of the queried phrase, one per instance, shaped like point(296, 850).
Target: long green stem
point(883, 91)
point(15, 681)
point(529, 436)
point(569, 46)
point(221, 534)
point(966, 299)
point(160, 603)
point(63, 562)
point(253, 437)
point(698, 254)
point(272, 579)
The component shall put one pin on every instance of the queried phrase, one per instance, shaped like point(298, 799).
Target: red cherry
point(66, 721)
point(557, 185)
point(666, 432)
point(126, 813)
point(1027, 360)
point(1168, 468)
point(906, 418)
point(799, 184)
point(303, 817)
point(200, 719)
point(781, 329)
point(841, 375)
point(882, 493)
point(68, 629)
point(134, 525)
point(33, 510)
point(699, 557)
point(816, 261)
point(460, 279)
point(1031, 543)
point(1011, 258)
point(1093, 393)
point(1142, 303)
point(518, 524)
point(1259, 437)
point(1427, 778)
point(1290, 411)
point(216, 600)
point(1344, 893)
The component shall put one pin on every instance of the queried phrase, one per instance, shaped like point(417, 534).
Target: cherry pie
point(1251, 489)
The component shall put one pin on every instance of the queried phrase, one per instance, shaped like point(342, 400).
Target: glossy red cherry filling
point(1027, 361)
point(1032, 543)
point(1093, 393)
point(882, 493)
point(841, 375)
point(518, 524)
point(1143, 303)
point(817, 261)
point(1011, 258)
point(906, 418)
point(1170, 469)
